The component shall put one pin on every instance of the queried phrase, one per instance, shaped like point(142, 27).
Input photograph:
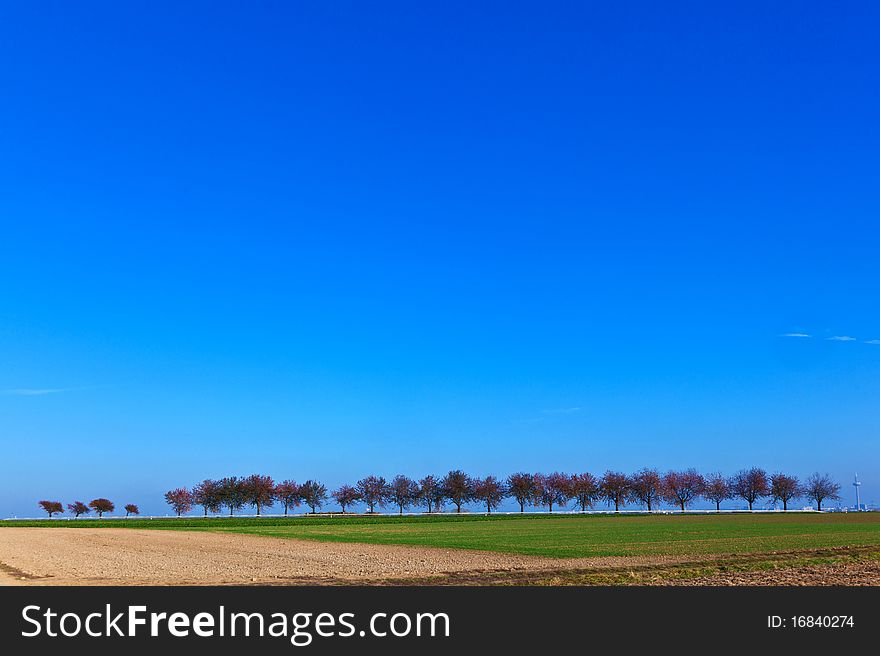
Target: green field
point(552, 536)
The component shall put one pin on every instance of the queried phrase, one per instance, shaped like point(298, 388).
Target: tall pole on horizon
point(857, 484)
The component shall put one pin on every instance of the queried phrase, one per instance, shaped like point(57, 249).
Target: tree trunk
point(818, 504)
point(551, 506)
point(258, 510)
point(522, 507)
point(649, 504)
point(616, 506)
point(750, 506)
point(784, 505)
point(401, 510)
point(488, 508)
point(458, 507)
point(682, 506)
point(717, 506)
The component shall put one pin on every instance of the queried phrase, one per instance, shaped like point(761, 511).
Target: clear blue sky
point(332, 239)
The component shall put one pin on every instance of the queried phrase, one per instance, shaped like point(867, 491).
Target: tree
point(750, 484)
point(403, 492)
point(232, 493)
point(51, 507)
point(614, 488)
point(646, 488)
point(78, 508)
point(784, 488)
point(584, 490)
point(717, 489)
point(552, 489)
point(345, 496)
point(682, 488)
point(314, 494)
point(287, 492)
point(207, 494)
point(259, 490)
point(131, 509)
point(101, 506)
point(458, 488)
point(180, 499)
point(431, 493)
point(521, 486)
point(490, 491)
point(374, 491)
point(819, 487)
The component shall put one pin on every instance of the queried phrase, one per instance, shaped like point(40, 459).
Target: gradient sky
point(328, 239)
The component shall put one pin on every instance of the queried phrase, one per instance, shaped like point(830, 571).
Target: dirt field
point(106, 556)
point(852, 573)
point(35, 556)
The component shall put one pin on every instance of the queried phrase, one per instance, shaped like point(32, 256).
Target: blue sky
point(333, 239)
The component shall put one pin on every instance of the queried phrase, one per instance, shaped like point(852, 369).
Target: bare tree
point(287, 492)
point(614, 488)
point(458, 487)
point(374, 491)
point(259, 490)
point(346, 496)
point(78, 508)
point(646, 488)
point(521, 487)
point(819, 487)
point(489, 491)
point(101, 506)
point(552, 489)
point(682, 488)
point(784, 488)
point(585, 490)
point(232, 493)
point(180, 500)
point(750, 485)
point(207, 494)
point(717, 489)
point(314, 494)
point(431, 494)
point(403, 492)
point(131, 509)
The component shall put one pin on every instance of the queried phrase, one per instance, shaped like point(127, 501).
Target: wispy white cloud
point(560, 411)
point(31, 391)
point(833, 338)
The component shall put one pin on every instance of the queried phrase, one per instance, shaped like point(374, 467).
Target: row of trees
point(78, 508)
point(647, 488)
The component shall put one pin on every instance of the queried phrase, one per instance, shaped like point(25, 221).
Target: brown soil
point(842, 573)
